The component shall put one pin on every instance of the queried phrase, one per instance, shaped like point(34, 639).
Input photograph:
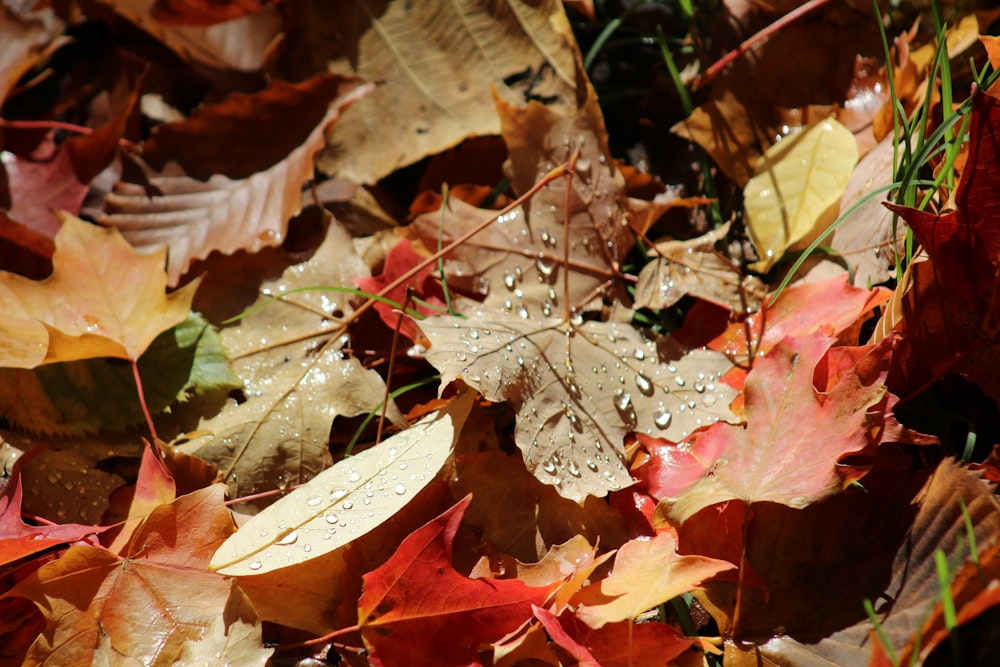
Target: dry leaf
point(438, 61)
point(579, 389)
point(797, 185)
point(345, 501)
point(103, 299)
point(211, 200)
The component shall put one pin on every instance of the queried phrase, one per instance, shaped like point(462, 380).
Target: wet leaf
point(84, 309)
point(797, 185)
point(417, 604)
point(579, 389)
point(795, 433)
point(345, 501)
point(646, 574)
point(289, 355)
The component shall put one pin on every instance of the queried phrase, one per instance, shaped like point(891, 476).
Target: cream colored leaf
point(797, 187)
point(438, 60)
point(289, 354)
point(347, 500)
point(103, 299)
point(196, 217)
point(579, 389)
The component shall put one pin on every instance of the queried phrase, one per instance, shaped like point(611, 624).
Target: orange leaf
point(418, 605)
point(103, 299)
point(647, 573)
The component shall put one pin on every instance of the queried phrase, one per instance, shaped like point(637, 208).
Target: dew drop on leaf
point(256, 565)
point(354, 476)
point(662, 418)
point(680, 381)
point(522, 311)
point(573, 468)
point(330, 518)
point(290, 538)
point(313, 501)
point(337, 494)
point(644, 384)
point(400, 489)
point(549, 466)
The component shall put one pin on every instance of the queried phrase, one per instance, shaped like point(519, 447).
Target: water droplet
point(545, 265)
point(347, 505)
point(709, 400)
point(680, 381)
point(290, 538)
point(331, 518)
point(639, 353)
point(256, 565)
point(520, 360)
point(522, 311)
point(573, 468)
point(337, 494)
point(474, 334)
point(662, 418)
point(549, 466)
point(354, 476)
point(644, 384)
point(592, 465)
point(509, 281)
point(313, 501)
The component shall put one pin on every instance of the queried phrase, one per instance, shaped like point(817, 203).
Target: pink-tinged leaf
point(153, 487)
point(647, 573)
point(572, 652)
point(19, 540)
point(401, 259)
point(416, 604)
point(788, 452)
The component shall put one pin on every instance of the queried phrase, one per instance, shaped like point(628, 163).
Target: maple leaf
point(289, 354)
point(950, 315)
point(795, 434)
point(417, 604)
point(399, 260)
point(19, 540)
point(216, 191)
point(151, 602)
point(579, 389)
point(647, 573)
point(84, 309)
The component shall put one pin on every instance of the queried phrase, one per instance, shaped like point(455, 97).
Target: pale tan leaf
point(196, 217)
point(103, 299)
point(694, 267)
point(438, 61)
point(864, 238)
point(797, 186)
point(519, 262)
point(347, 500)
point(297, 379)
point(579, 389)
point(25, 36)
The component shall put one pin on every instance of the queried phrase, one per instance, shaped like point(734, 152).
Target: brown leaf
point(579, 389)
point(438, 62)
point(103, 299)
point(199, 208)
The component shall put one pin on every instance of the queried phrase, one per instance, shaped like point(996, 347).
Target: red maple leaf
point(417, 604)
point(951, 314)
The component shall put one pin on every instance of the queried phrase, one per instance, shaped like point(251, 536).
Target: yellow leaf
point(103, 299)
point(799, 183)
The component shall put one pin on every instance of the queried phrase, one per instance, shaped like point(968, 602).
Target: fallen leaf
point(579, 389)
point(646, 574)
point(76, 314)
point(436, 92)
point(694, 267)
point(417, 604)
point(26, 34)
point(344, 502)
point(216, 191)
point(93, 600)
point(20, 540)
point(797, 184)
point(948, 319)
point(197, 12)
point(289, 354)
point(788, 451)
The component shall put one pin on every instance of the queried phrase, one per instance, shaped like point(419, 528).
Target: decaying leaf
point(289, 354)
point(103, 299)
point(208, 198)
point(797, 185)
point(579, 389)
point(347, 500)
point(437, 61)
point(694, 267)
point(646, 573)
